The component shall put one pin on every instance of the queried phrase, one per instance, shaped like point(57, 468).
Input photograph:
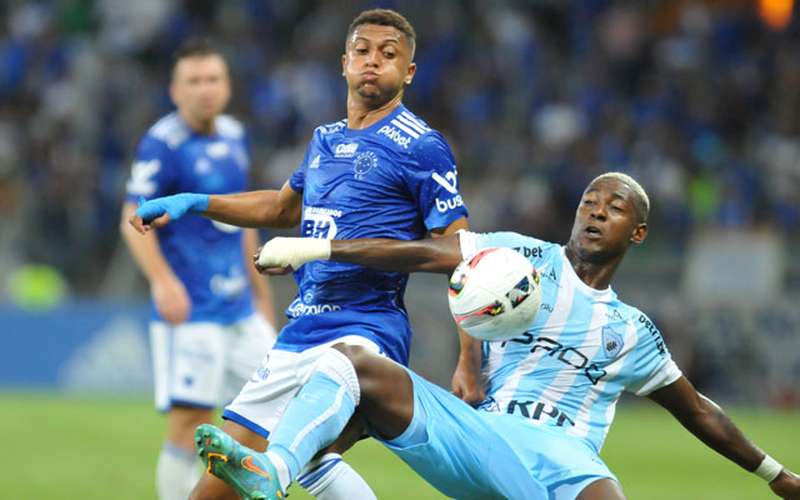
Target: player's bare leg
point(387, 394)
point(181, 423)
point(602, 489)
point(177, 469)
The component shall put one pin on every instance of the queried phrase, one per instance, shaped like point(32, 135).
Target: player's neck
point(595, 274)
point(205, 127)
point(362, 114)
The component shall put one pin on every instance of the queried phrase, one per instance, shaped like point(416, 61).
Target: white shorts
point(205, 365)
point(264, 398)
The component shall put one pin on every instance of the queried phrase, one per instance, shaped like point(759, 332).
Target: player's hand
point(786, 485)
point(280, 255)
point(270, 270)
point(171, 300)
point(467, 384)
point(142, 227)
point(159, 212)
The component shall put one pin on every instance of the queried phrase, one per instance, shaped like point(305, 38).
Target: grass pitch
point(66, 448)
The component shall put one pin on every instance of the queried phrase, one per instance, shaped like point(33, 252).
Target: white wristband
point(769, 469)
point(282, 252)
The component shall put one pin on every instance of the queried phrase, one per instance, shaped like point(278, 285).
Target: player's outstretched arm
point(265, 208)
point(439, 255)
point(709, 423)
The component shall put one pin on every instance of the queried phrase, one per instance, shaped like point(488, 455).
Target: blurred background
point(699, 100)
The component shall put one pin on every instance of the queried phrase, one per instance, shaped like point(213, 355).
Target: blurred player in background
point(552, 390)
point(382, 172)
point(213, 315)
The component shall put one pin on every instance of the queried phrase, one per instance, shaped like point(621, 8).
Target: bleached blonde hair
point(641, 200)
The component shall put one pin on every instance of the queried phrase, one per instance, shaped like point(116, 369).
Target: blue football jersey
point(583, 349)
point(395, 179)
point(207, 256)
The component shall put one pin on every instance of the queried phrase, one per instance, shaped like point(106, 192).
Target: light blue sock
point(318, 414)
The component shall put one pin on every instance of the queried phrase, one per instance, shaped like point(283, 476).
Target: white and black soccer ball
point(494, 294)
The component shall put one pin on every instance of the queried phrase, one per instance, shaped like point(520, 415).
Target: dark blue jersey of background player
point(173, 158)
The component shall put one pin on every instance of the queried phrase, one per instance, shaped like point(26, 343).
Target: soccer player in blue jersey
point(552, 390)
point(382, 172)
point(211, 311)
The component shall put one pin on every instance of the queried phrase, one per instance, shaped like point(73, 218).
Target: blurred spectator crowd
point(699, 100)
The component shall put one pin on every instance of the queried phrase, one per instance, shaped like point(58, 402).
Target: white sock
point(280, 466)
point(330, 478)
point(177, 472)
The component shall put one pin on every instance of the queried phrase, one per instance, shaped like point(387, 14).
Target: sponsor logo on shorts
point(263, 371)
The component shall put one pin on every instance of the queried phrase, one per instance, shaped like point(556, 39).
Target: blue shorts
point(467, 453)
point(453, 447)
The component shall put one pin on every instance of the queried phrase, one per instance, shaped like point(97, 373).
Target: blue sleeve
point(652, 364)
point(153, 173)
point(433, 180)
point(298, 179)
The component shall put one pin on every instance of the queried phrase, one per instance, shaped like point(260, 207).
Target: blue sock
point(318, 414)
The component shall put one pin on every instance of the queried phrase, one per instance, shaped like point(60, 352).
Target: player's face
point(606, 221)
point(377, 63)
point(200, 87)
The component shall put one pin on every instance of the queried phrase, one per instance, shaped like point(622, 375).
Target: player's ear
point(344, 64)
point(639, 233)
point(412, 70)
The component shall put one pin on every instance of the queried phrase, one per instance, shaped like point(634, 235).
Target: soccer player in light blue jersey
point(212, 314)
point(552, 390)
point(382, 172)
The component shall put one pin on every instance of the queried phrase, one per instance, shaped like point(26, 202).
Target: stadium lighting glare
point(777, 14)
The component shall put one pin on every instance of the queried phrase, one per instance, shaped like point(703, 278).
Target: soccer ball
point(494, 294)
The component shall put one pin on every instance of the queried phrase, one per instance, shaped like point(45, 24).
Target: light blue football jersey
point(395, 179)
point(584, 348)
point(207, 256)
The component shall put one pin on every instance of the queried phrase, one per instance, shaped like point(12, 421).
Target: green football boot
point(250, 473)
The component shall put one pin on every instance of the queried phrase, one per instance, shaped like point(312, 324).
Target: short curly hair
point(641, 200)
point(385, 17)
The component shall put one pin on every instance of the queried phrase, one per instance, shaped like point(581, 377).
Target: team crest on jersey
point(363, 163)
point(612, 342)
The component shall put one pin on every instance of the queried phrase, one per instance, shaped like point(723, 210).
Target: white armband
point(282, 252)
point(769, 469)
